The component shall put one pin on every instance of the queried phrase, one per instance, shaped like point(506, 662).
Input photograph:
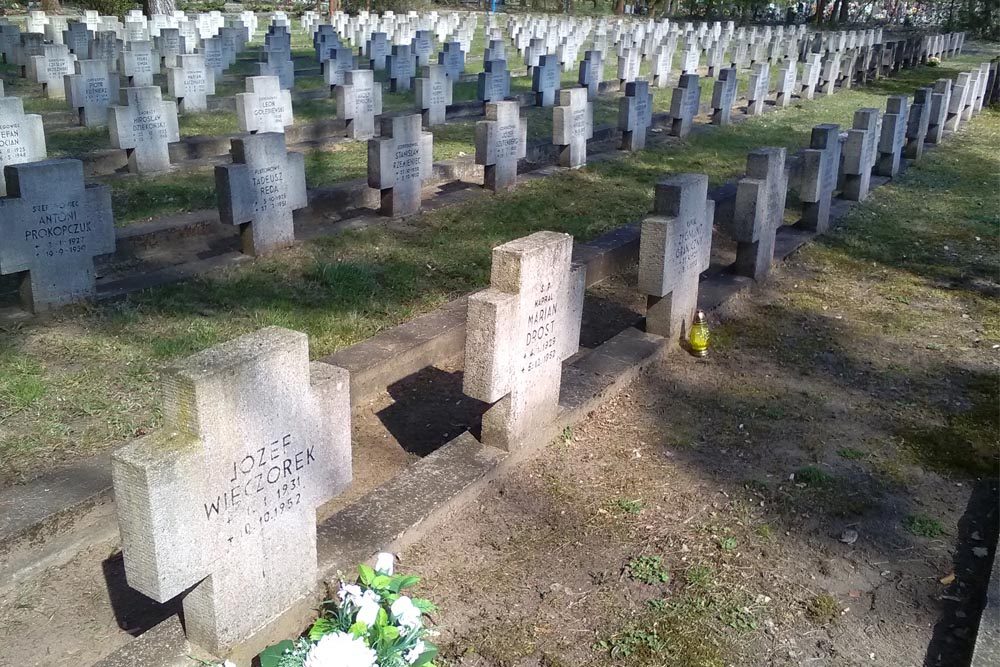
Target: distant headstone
point(519, 331)
point(51, 68)
point(191, 82)
point(628, 66)
point(958, 101)
point(265, 107)
point(144, 126)
point(402, 65)
point(760, 80)
point(892, 137)
point(398, 163)
point(53, 226)
point(453, 59)
point(591, 73)
point(91, 91)
point(138, 64)
point(434, 94)
point(810, 76)
point(787, 78)
point(340, 61)
point(422, 47)
point(675, 248)
point(22, 137)
point(635, 115)
point(377, 50)
point(572, 126)
point(501, 140)
point(917, 123)
point(759, 211)
point(940, 101)
point(359, 102)
point(169, 45)
point(684, 105)
point(545, 80)
point(859, 153)
point(724, 96)
point(77, 37)
point(663, 62)
point(494, 81)
point(222, 498)
point(818, 177)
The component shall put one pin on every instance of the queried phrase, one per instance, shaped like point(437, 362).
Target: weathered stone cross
point(191, 82)
point(402, 66)
point(545, 80)
point(501, 140)
point(684, 103)
point(892, 137)
point(138, 64)
point(759, 211)
point(723, 96)
point(359, 101)
point(434, 94)
point(572, 126)
point(818, 176)
point(635, 115)
point(591, 73)
point(144, 128)
point(22, 137)
point(91, 91)
point(494, 81)
point(859, 154)
point(265, 107)
point(398, 163)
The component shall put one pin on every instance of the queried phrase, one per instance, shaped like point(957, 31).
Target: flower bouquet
point(370, 624)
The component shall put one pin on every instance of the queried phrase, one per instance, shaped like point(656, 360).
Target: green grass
point(648, 570)
point(822, 609)
point(922, 525)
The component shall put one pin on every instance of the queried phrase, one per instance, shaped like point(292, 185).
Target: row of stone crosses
point(258, 437)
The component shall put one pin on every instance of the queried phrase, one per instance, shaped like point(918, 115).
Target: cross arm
point(490, 341)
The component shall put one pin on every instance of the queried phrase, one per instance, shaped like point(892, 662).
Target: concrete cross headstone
point(91, 91)
point(940, 101)
point(377, 50)
point(422, 47)
point(453, 58)
point(359, 102)
point(169, 45)
point(215, 55)
point(724, 96)
point(402, 65)
point(519, 332)
point(259, 191)
point(340, 61)
point(591, 73)
point(859, 153)
point(222, 498)
point(53, 226)
point(191, 82)
point(51, 68)
point(107, 47)
point(434, 94)
point(810, 76)
point(635, 115)
point(283, 68)
point(22, 137)
point(817, 179)
point(545, 80)
point(138, 64)
point(501, 140)
point(572, 126)
point(675, 248)
point(959, 99)
point(144, 126)
point(663, 62)
point(628, 66)
point(892, 137)
point(265, 107)
point(917, 123)
point(684, 104)
point(787, 78)
point(398, 163)
point(758, 212)
point(494, 81)
point(77, 37)
point(760, 80)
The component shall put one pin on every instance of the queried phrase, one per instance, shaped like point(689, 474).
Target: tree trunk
point(820, 10)
point(619, 7)
point(835, 11)
point(51, 7)
point(844, 8)
point(158, 7)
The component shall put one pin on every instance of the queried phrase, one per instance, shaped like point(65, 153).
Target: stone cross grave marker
point(215, 56)
point(337, 65)
point(107, 47)
point(635, 115)
point(138, 64)
point(545, 80)
point(572, 126)
point(787, 78)
point(53, 226)
point(760, 79)
point(663, 62)
point(260, 190)
point(434, 94)
point(591, 73)
point(422, 47)
point(223, 497)
point(144, 126)
point(675, 247)
point(191, 82)
point(810, 76)
point(628, 67)
point(453, 59)
point(519, 332)
point(51, 68)
point(91, 91)
point(817, 179)
point(892, 137)
point(501, 140)
point(684, 104)
point(959, 99)
point(402, 66)
point(377, 50)
point(758, 212)
point(77, 37)
point(398, 163)
point(689, 60)
point(169, 45)
point(940, 101)
point(22, 136)
point(917, 123)
point(724, 96)
point(830, 73)
point(494, 81)
point(497, 50)
point(283, 68)
point(973, 84)
point(265, 107)
point(359, 102)
point(859, 154)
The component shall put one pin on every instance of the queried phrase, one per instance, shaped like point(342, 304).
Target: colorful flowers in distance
point(371, 623)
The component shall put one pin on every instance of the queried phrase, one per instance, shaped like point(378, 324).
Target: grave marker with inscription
point(760, 80)
point(51, 68)
point(22, 137)
point(222, 498)
point(434, 94)
point(398, 163)
point(453, 58)
point(591, 73)
point(359, 102)
point(859, 155)
point(940, 101)
point(787, 77)
point(494, 81)
point(91, 91)
point(684, 104)
point(402, 64)
point(663, 62)
point(340, 61)
point(144, 126)
point(635, 115)
point(545, 80)
point(265, 107)
point(892, 137)
point(817, 178)
point(138, 64)
point(758, 212)
point(572, 126)
point(724, 96)
point(917, 123)
point(191, 82)
point(501, 140)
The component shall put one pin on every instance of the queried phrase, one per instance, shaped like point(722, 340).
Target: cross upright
point(724, 96)
point(892, 137)
point(859, 153)
point(215, 56)
point(77, 37)
point(501, 140)
point(138, 64)
point(684, 104)
point(758, 212)
point(144, 127)
point(494, 81)
point(545, 80)
point(359, 102)
point(434, 94)
point(50, 69)
point(91, 91)
point(22, 137)
point(402, 64)
point(810, 76)
point(635, 115)
point(340, 60)
point(398, 163)
point(675, 247)
point(169, 45)
point(818, 176)
point(260, 190)
point(191, 82)
point(221, 499)
point(53, 226)
point(572, 126)
point(917, 123)
point(519, 331)
point(281, 67)
point(497, 50)
point(265, 107)
point(591, 73)
point(959, 99)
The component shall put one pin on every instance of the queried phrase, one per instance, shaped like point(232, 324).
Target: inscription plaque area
point(265, 107)
point(144, 127)
point(260, 190)
point(53, 226)
point(359, 102)
point(22, 137)
point(223, 496)
point(758, 212)
point(572, 126)
point(635, 115)
point(138, 64)
point(91, 91)
point(675, 247)
point(191, 82)
point(398, 163)
point(501, 140)
point(519, 331)
point(434, 92)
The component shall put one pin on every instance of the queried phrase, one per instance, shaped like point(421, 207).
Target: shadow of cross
point(675, 247)
point(758, 212)
point(144, 127)
point(635, 115)
point(223, 497)
point(519, 331)
point(260, 190)
point(53, 226)
point(91, 90)
point(501, 140)
point(572, 126)
point(22, 137)
point(265, 107)
point(398, 163)
point(359, 101)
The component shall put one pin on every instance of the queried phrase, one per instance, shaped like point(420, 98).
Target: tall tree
point(159, 7)
point(51, 7)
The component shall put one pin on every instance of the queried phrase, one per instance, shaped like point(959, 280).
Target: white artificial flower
point(406, 612)
point(384, 563)
point(229, 663)
point(367, 608)
point(349, 593)
point(340, 649)
point(415, 652)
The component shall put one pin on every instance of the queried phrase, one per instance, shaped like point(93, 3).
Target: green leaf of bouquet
point(380, 581)
point(382, 618)
point(404, 582)
point(390, 633)
point(366, 574)
point(358, 629)
point(273, 654)
point(425, 606)
point(427, 656)
point(322, 626)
